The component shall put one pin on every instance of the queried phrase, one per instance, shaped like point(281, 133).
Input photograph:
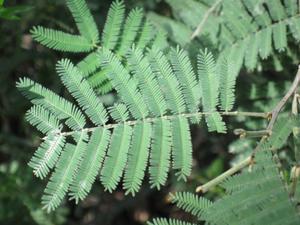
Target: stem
point(251, 134)
point(186, 115)
point(199, 28)
point(282, 102)
point(204, 188)
point(248, 114)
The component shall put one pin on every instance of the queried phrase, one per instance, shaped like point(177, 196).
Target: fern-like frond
point(61, 41)
point(186, 76)
point(131, 28)
point(124, 83)
point(43, 120)
point(146, 35)
point(47, 155)
point(190, 203)
point(162, 221)
point(90, 165)
point(118, 36)
point(227, 87)
point(113, 24)
point(181, 147)
point(82, 92)
point(168, 83)
point(160, 153)
point(64, 173)
point(149, 86)
point(151, 118)
point(209, 81)
point(137, 157)
point(84, 20)
point(60, 107)
point(116, 159)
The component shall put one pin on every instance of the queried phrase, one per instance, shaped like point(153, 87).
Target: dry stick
point(249, 161)
point(199, 28)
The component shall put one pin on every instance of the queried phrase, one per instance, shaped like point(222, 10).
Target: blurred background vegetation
point(20, 56)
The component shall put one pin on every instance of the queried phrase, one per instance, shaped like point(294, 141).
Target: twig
point(199, 28)
point(151, 120)
point(204, 188)
point(251, 134)
point(275, 112)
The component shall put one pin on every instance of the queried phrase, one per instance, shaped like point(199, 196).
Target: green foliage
point(242, 30)
point(253, 197)
point(160, 93)
point(266, 197)
point(191, 203)
point(210, 85)
point(119, 34)
point(152, 119)
point(281, 131)
point(59, 40)
point(141, 130)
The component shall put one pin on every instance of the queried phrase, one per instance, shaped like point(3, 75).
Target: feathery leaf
point(116, 159)
point(61, 41)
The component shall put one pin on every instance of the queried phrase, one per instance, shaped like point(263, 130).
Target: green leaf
point(65, 171)
point(160, 153)
point(90, 164)
point(125, 84)
point(113, 24)
point(60, 107)
point(61, 41)
point(82, 92)
point(181, 147)
point(137, 157)
point(116, 159)
point(131, 28)
point(84, 20)
point(46, 156)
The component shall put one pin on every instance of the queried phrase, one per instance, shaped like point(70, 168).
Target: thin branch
point(186, 115)
point(281, 104)
point(204, 188)
point(251, 134)
point(199, 28)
